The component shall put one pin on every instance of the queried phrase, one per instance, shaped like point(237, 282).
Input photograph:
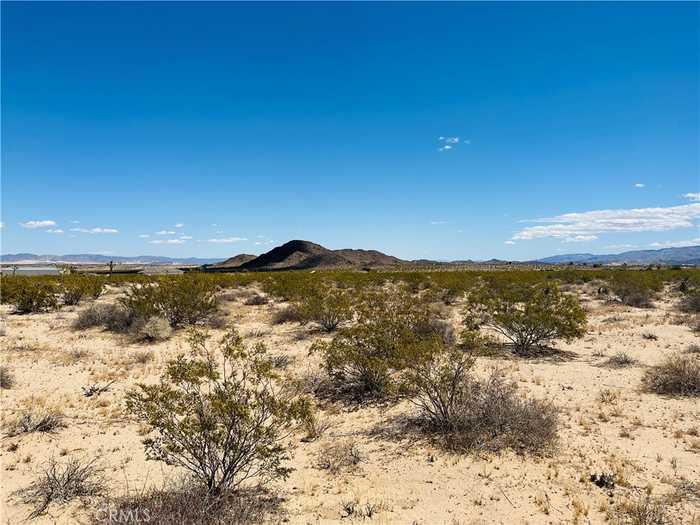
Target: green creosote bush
point(527, 316)
point(75, 287)
point(390, 332)
point(326, 305)
point(221, 414)
point(690, 302)
point(35, 296)
point(677, 375)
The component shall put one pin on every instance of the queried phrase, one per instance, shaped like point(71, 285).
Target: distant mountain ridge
point(684, 255)
point(299, 255)
point(91, 258)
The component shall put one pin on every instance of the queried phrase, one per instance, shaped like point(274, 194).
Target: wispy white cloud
point(33, 225)
point(226, 240)
point(675, 244)
point(510, 242)
point(580, 238)
point(262, 243)
point(179, 225)
point(639, 185)
point(167, 241)
point(621, 246)
point(185, 237)
point(571, 225)
point(692, 196)
point(448, 143)
point(144, 236)
point(57, 231)
point(165, 232)
point(2, 225)
point(438, 222)
point(97, 230)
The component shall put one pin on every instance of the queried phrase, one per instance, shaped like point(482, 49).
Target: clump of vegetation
point(642, 511)
point(634, 288)
point(114, 318)
point(528, 316)
point(220, 415)
point(677, 375)
point(184, 502)
point(690, 302)
point(390, 333)
point(620, 360)
point(7, 378)
point(338, 456)
point(61, 483)
point(75, 287)
point(287, 314)
point(183, 300)
point(473, 413)
point(153, 329)
point(325, 305)
point(35, 296)
point(34, 420)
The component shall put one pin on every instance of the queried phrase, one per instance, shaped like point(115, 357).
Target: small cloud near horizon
point(225, 240)
point(167, 241)
point(33, 225)
point(97, 230)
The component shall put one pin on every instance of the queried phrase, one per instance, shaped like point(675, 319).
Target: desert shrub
point(75, 287)
point(677, 375)
point(642, 511)
point(620, 360)
point(389, 334)
point(315, 426)
point(185, 503)
point(528, 317)
point(325, 305)
point(114, 318)
point(338, 456)
point(182, 300)
point(287, 314)
point(34, 296)
point(61, 483)
point(223, 418)
point(693, 348)
point(34, 420)
point(473, 413)
point(634, 288)
point(7, 378)
point(153, 329)
point(690, 302)
point(256, 299)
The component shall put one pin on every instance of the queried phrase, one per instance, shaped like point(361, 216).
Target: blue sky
point(571, 127)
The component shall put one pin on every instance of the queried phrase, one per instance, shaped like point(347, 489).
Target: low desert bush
point(527, 316)
point(287, 314)
point(220, 415)
point(390, 332)
point(182, 300)
point(186, 503)
point(620, 360)
point(677, 375)
point(645, 510)
point(338, 456)
point(7, 378)
point(153, 329)
point(60, 483)
point(75, 287)
point(472, 413)
point(35, 296)
point(325, 305)
point(34, 420)
point(114, 318)
point(690, 302)
point(634, 288)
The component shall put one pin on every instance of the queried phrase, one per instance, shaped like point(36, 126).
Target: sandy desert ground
point(651, 443)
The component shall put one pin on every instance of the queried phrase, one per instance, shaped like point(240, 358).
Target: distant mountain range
point(300, 255)
point(91, 258)
point(689, 255)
